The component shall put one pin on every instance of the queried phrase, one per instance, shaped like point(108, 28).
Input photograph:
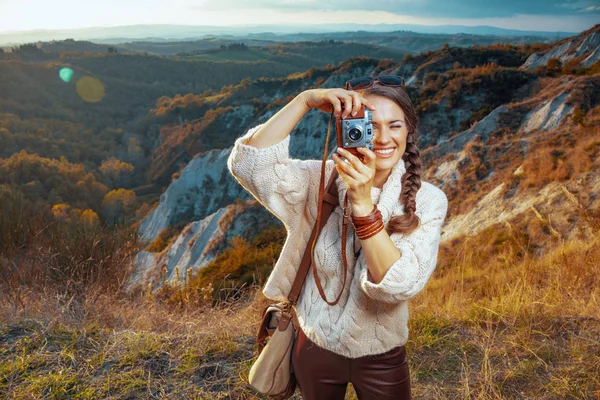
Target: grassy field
point(487, 326)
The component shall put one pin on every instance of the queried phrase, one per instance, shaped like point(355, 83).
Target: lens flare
point(65, 74)
point(90, 89)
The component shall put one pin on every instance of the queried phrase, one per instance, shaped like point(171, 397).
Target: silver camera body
point(358, 132)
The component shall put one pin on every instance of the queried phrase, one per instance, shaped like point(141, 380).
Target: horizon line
point(286, 25)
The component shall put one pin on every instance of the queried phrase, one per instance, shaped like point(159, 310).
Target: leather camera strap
point(328, 200)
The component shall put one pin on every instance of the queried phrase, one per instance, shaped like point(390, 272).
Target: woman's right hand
point(343, 102)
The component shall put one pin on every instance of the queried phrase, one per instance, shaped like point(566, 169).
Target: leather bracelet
point(373, 210)
point(373, 233)
point(367, 229)
point(373, 216)
point(367, 217)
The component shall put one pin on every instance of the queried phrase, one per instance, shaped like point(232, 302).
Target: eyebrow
point(390, 122)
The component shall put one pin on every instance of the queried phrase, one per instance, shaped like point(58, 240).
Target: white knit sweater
point(369, 318)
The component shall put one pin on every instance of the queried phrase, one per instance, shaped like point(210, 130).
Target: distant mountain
point(411, 42)
point(302, 54)
point(121, 34)
point(393, 42)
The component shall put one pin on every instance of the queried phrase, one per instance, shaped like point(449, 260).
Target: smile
point(384, 152)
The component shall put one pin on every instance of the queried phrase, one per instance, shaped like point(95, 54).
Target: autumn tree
point(116, 172)
point(118, 205)
point(61, 212)
point(90, 219)
point(554, 66)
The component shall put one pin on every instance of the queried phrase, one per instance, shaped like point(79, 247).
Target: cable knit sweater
point(370, 318)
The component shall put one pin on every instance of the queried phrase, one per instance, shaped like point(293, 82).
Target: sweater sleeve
point(408, 275)
point(278, 182)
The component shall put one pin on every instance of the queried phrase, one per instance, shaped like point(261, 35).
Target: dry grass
point(513, 312)
point(117, 347)
point(508, 325)
point(499, 328)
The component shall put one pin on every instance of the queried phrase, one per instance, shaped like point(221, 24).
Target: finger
point(347, 106)
point(350, 182)
point(354, 161)
point(367, 103)
point(356, 103)
point(347, 167)
point(370, 156)
point(336, 104)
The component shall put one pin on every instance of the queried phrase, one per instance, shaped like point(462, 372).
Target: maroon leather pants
point(322, 374)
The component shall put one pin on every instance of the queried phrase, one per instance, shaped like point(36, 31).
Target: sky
point(535, 15)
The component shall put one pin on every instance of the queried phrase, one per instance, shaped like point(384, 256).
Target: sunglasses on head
point(365, 82)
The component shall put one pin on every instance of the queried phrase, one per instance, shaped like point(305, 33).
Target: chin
point(386, 164)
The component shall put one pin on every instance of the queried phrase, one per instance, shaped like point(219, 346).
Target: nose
point(381, 135)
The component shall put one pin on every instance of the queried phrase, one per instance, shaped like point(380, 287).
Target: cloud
point(421, 8)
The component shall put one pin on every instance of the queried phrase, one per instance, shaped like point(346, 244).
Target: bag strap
point(328, 200)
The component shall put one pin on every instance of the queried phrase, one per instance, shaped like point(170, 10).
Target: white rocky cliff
point(585, 47)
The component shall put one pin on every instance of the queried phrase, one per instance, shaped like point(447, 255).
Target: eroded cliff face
point(548, 113)
point(213, 207)
point(199, 242)
point(584, 47)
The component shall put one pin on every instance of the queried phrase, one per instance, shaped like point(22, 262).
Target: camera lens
point(355, 134)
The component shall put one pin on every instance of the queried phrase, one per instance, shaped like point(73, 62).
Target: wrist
point(362, 210)
point(300, 102)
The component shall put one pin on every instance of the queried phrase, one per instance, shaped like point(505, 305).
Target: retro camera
point(355, 131)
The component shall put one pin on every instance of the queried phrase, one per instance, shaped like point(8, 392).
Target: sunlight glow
point(65, 74)
point(90, 89)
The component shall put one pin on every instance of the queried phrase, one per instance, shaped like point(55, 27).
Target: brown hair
point(411, 179)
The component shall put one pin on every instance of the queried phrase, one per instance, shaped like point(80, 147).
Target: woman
point(361, 338)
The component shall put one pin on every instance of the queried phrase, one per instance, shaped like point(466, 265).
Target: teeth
point(384, 151)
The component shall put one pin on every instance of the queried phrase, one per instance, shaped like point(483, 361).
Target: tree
point(116, 172)
point(554, 65)
point(61, 212)
point(90, 219)
point(118, 205)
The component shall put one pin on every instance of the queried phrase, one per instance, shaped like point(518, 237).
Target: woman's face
point(389, 136)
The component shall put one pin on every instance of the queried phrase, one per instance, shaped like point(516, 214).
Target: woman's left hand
point(358, 177)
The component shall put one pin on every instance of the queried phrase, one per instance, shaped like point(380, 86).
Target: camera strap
point(328, 200)
point(319, 223)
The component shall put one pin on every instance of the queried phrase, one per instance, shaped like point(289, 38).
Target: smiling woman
point(360, 337)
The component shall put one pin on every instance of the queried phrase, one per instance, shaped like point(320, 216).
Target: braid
point(411, 182)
